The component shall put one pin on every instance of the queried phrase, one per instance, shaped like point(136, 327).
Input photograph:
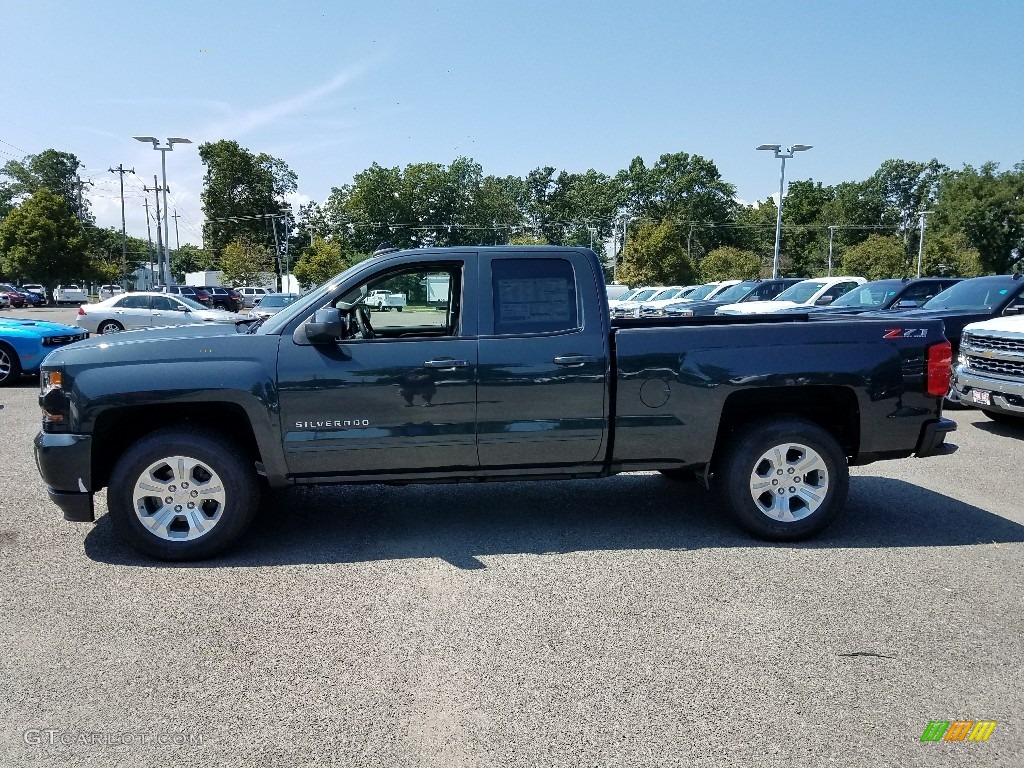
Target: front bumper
point(65, 465)
point(1006, 395)
point(932, 440)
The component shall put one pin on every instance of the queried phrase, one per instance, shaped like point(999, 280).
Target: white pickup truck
point(69, 294)
point(383, 301)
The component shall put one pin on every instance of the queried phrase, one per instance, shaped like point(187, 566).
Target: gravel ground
point(612, 622)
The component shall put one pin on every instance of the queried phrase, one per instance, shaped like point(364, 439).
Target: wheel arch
point(833, 408)
point(117, 429)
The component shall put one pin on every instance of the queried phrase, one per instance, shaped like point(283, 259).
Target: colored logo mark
point(958, 730)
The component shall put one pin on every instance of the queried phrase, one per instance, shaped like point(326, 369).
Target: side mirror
point(325, 327)
point(824, 301)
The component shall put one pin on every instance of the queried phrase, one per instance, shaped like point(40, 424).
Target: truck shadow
point(461, 523)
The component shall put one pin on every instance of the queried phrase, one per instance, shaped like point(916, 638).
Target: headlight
point(685, 313)
point(52, 399)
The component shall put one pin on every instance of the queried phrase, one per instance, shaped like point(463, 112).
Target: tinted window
point(163, 303)
point(982, 294)
point(533, 296)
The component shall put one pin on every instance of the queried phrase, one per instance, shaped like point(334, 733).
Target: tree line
point(673, 221)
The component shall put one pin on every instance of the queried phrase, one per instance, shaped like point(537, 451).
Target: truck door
point(401, 401)
point(543, 363)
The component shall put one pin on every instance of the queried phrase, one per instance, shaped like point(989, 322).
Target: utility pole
point(831, 231)
point(159, 243)
point(149, 238)
point(120, 170)
point(79, 183)
point(177, 242)
point(287, 263)
point(277, 251)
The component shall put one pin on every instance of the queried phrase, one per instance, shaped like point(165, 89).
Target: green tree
point(322, 260)
point(41, 241)
point(727, 263)
point(804, 235)
point(241, 192)
point(655, 255)
point(191, 258)
point(988, 208)
point(950, 254)
point(877, 258)
point(905, 188)
point(244, 262)
point(50, 169)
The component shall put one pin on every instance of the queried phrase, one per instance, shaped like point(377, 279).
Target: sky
point(333, 87)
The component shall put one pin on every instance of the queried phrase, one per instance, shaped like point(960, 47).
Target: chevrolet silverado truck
point(523, 375)
point(990, 370)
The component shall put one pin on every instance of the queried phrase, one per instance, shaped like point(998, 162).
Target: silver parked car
point(148, 310)
point(271, 304)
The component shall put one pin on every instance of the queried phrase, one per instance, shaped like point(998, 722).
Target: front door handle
point(447, 364)
point(575, 360)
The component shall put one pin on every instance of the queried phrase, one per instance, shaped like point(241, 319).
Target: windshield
point(668, 293)
point(628, 295)
point(703, 292)
point(800, 292)
point(866, 296)
point(644, 295)
point(193, 305)
point(312, 300)
point(737, 292)
point(973, 294)
point(277, 301)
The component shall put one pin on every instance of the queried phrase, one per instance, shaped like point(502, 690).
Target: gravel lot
point(613, 622)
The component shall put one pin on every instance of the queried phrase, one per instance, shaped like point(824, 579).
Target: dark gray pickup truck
point(504, 365)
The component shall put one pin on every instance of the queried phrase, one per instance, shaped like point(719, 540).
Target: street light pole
point(920, 243)
point(777, 149)
point(165, 267)
point(831, 231)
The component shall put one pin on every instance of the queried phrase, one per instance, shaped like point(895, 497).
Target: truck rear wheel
point(182, 494)
point(784, 479)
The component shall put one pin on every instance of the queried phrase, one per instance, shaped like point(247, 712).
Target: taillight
point(81, 311)
point(940, 358)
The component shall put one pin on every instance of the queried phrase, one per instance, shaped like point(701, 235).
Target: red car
point(16, 297)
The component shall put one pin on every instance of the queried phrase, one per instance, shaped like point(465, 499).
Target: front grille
point(996, 366)
point(994, 343)
point(57, 341)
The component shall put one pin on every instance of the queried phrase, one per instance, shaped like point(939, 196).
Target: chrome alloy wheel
point(789, 482)
point(6, 366)
point(179, 498)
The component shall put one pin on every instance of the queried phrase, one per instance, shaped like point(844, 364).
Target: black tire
point(10, 365)
point(794, 513)
point(1004, 418)
point(398, 308)
point(109, 326)
point(226, 514)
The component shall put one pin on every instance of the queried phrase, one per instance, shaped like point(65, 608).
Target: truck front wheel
point(783, 480)
point(182, 494)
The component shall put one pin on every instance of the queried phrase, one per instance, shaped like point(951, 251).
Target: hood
point(757, 307)
point(926, 314)
point(38, 326)
point(1012, 324)
point(145, 335)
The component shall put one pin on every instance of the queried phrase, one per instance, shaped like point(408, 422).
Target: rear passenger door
point(541, 400)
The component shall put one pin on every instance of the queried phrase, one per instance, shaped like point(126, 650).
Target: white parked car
point(106, 291)
point(707, 291)
point(814, 292)
point(131, 311)
point(629, 307)
point(69, 294)
point(657, 303)
point(990, 369)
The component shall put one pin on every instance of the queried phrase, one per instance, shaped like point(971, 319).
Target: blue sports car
point(24, 344)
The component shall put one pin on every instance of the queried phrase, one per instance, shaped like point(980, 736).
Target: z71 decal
point(905, 333)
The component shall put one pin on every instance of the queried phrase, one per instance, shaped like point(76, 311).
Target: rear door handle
point(575, 360)
point(446, 364)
